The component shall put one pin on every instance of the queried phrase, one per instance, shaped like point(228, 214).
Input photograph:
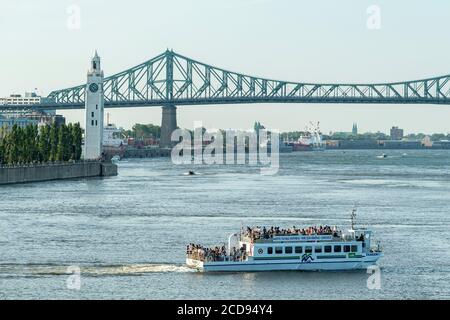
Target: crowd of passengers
point(267, 233)
point(198, 252)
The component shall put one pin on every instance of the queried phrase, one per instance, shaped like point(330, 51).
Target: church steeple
point(355, 129)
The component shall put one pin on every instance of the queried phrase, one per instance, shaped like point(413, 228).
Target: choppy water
point(127, 234)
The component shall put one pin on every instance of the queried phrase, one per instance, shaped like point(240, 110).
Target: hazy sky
point(322, 41)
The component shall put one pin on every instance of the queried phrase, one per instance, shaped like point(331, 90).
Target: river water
point(127, 234)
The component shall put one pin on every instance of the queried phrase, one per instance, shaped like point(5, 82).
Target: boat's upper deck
point(310, 234)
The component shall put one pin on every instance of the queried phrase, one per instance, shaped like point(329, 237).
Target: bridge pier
point(168, 125)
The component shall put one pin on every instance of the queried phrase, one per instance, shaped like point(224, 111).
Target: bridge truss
point(173, 79)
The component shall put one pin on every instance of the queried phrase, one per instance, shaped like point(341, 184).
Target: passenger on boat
point(198, 252)
point(264, 233)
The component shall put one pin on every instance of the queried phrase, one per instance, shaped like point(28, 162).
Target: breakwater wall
point(56, 171)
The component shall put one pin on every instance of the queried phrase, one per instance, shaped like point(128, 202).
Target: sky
point(44, 45)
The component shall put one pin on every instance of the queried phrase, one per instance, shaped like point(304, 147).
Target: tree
point(64, 144)
point(438, 137)
point(44, 143)
point(258, 126)
point(70, 147)
point(29, 144)
point(2, 145)
point(77, 136)
point(53, 142)
point(145, 131)
point(12, 148)
point(33, 144)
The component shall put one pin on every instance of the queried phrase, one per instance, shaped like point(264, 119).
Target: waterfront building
point(33, 118)
point(396, 133)
point(93, 139)
point(359, 144)
point(7, 123)
point(442, 144)
point(402, 144)
point(29, 98)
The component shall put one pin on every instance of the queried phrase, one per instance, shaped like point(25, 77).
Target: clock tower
point(94, 105)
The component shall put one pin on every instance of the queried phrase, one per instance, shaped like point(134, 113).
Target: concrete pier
point(168, 125)
point(47, 172)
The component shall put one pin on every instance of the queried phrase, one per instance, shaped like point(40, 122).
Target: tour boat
point(310, 249)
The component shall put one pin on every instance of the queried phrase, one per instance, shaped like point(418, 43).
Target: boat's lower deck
point(283, 265)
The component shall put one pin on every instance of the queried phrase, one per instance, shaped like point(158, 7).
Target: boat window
point(327, 248)
point(278, 250)
point(308, 249)
point(298, 249)
point(318, 249)
point(288, 250)
point(354, 248)
point(346, 248)
point(337, 249)
point(269, 250)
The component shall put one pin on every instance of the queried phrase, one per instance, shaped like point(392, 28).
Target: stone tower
point(93, 137)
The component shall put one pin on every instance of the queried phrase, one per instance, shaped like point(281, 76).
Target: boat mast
point(353, 218)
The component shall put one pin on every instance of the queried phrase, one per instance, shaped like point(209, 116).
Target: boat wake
point(91, 270)
point(135, 269)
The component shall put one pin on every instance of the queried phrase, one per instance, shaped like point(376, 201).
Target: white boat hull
point(283, 265)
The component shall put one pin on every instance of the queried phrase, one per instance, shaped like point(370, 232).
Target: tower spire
point(95, 63)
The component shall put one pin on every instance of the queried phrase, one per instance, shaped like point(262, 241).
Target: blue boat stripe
point(298, 262)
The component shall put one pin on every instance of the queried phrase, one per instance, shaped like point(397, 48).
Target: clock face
point(93, 87)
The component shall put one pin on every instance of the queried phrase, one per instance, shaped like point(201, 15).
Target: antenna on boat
point(353, 218)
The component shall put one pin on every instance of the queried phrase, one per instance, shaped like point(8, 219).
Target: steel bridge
point(170, 79)
point(173, 79)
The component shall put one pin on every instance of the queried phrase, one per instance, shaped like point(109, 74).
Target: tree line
point(144, 131)
point(33, 144)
